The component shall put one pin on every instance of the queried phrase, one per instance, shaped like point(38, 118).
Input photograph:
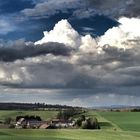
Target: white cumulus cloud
point(64, 33)
point(126, 35)
point(61, 33)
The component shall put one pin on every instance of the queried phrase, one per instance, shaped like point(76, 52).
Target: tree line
point(32, 106)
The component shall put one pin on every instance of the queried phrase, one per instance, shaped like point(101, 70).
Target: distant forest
point(31, 106)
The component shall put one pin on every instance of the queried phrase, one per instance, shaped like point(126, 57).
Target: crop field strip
point(128, 121)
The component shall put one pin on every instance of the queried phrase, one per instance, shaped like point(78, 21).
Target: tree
point(80, 120)
point(60, 115)
point(90, 123)
point(66, 114)
point(7, 120)
point(83, 117)
point(94, 123)
point(38, 118)
point(84, 124)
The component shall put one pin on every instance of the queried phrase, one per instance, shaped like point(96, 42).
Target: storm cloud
point(14, 51)
point(85, 8)
point(51, 7)
point(116, 8)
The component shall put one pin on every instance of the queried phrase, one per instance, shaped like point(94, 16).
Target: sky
point(71, 52)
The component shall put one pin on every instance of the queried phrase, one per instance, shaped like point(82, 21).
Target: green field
point(114, 126)
point(66, 135)
point(43, 114)
point(128, 121)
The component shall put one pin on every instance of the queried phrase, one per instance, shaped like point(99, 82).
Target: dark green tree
point(7, 120)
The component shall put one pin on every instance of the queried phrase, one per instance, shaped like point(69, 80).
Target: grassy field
point(128, 121)
point(43, 114)
point(114, 126)
point(13, 134)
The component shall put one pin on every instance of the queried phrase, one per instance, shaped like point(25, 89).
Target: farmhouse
point(45, 126)
point(21, 123)
point(33, 123)
point(58, 123)
point(30, 122)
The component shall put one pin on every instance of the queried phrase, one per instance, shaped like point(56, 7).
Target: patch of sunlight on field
point(128, 121)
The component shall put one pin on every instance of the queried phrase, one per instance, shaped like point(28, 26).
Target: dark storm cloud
point(82, 81)
point(51, 7)
point(116, 8)
point(22, 51)
point(85, 8)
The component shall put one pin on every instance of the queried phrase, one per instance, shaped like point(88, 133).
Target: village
point(32, 122)
point(69, 118)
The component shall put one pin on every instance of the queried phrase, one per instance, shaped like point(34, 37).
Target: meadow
point(127, 121)
point(43, 114)
point(64, 134)
point(114, 126)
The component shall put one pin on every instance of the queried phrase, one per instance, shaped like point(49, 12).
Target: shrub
point(7, 120)
point(90, 123)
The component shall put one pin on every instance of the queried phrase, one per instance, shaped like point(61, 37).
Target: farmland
point(114, 126)
point(13, 114)
point(128, 121)
point(63, 134)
